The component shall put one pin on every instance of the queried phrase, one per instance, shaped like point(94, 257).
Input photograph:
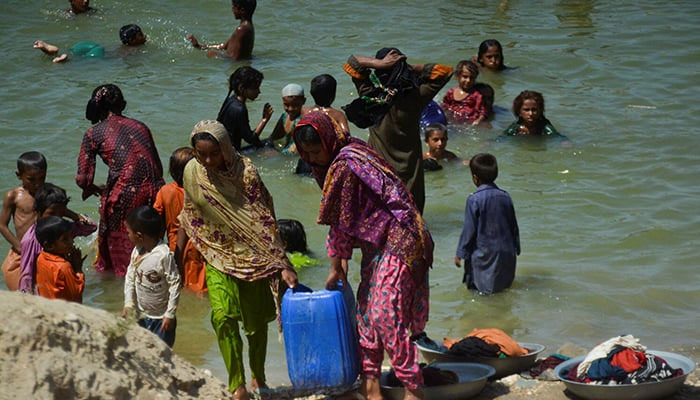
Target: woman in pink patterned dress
point(367, 206)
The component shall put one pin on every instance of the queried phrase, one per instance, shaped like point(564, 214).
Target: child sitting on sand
point(293, 100)
point(130, 35)
point(245, 83)
point(18, 205)
point(152, 285)
point(169, 201)
point(240, 45)
point(528, 108)
point(50, 200)
point(323, 89)
point(463, 103)
point(59, 266)
point(490, 239)
point(436, 138)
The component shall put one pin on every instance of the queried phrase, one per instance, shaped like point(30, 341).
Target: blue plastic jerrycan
point(319, 337)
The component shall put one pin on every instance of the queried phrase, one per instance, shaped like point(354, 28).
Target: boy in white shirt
point(152, 285)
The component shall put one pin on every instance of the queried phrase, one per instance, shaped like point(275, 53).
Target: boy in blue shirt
point(490, 240)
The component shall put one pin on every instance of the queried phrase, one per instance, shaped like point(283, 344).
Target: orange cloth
point(629, 360)
point(494, 336)
point(11, 269)
point(56, 279)
point(169, 202)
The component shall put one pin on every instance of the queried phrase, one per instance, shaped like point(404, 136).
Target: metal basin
point(642, 391)
point(503, 366)
point(472, 379)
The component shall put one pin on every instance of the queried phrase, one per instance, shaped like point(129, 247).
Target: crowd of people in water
point(214, 229)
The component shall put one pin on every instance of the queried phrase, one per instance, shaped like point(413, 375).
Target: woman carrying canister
point(229, 216)
point(368, 206)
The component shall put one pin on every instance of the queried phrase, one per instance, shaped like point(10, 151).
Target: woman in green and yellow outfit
point(229, 215)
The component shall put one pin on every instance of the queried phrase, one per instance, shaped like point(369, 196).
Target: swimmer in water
point(240, 44)
point(490, 56)
point(130, 35)
point(436, 138)
point(528, 108)
point(79, 7)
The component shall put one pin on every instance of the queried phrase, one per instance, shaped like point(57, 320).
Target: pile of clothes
point(432, 376)
point(621, 360)
point(478, 343)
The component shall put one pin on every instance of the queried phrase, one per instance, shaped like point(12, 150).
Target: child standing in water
point(245, 83)
point(490, 240)
point(169, 201)
point(50, 200)
point(59, 267)
point(152, 285)
point(18, 205)
point(463, 102)
point(323, 89)
point(528, 108)
point(240, 45)
point(436, 139)
point(293, 100)
point(490, 56)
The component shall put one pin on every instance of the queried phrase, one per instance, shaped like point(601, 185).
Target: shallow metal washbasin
point(472, 379)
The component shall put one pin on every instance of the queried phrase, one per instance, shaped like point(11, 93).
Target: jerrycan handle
point(299, 288)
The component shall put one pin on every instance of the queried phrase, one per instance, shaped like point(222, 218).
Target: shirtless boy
point(240, 45)
point(18, 205)
point(323, 91)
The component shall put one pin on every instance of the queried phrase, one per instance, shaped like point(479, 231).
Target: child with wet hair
point(152, 285)
point(244, 83)
point(293, 100)
point(436, 138)
point(240, 44)
point(490, 56)
point(50, 200)
point(528, 108)
point(463, 103)
point(18, 206)
point(323, 88)
point(131, 35)
point(59, 267)
point(169, 201)
point(490, 239)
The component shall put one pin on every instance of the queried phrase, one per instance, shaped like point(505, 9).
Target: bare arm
point(180, 252)
point(196, 45)
point(387, 62)
point(267, 114)
point(8, 207)
point(278, 131)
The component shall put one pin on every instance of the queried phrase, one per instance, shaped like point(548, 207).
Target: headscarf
point(229, 215)
point(364, 198)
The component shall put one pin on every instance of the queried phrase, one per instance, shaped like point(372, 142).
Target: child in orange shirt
point(59, 266)
point(169, 202)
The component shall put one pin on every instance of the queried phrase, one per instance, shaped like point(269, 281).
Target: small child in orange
point(169, 202)
point(59, 267)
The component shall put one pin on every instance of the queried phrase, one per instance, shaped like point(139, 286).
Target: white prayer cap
point(292, 90)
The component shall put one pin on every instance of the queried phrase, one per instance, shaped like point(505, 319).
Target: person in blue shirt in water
point(490, 240)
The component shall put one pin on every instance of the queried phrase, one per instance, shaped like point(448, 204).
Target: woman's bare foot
point(45, 47)
point(241, 393)
point(416, 394)
point(61, 58)
point(369, 388)
point(255, 385)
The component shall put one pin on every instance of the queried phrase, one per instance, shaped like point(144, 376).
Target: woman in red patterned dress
point(135, 172)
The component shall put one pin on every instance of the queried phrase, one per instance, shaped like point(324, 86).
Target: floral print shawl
point(229, 214)
point(364, 198)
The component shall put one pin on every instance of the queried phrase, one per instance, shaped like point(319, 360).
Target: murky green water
point(609, 226)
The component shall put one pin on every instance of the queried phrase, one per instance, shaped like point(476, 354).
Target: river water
point(609, 222)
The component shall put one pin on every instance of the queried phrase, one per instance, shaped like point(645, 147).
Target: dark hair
point(292, 233)
point(484, 47)
point(323, 90)
point(203, 136)
point(528, 95)
point(31, 160)
point(244, 78)
point(469, 65)
point(488, 95)
point(247, 5)
point(49, 229)
point(105, 99)
point(430, 128)
point(127, 33)
point(307, 134)
point(49, 195)
point(485, 167)
point(178, 160)
point(146, 220)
